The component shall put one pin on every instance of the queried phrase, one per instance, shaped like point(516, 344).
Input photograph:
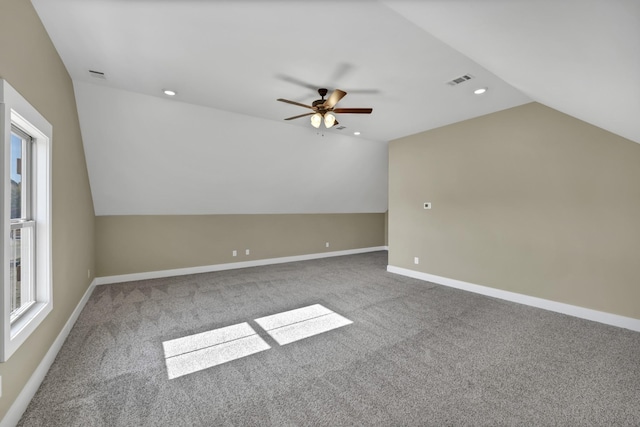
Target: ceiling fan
point(324, 109)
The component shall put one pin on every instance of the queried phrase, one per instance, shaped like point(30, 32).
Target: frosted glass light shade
point(316, 119)
point(329, 120)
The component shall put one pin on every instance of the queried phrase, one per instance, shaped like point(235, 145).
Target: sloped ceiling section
point(149, 155)
point(581, 57)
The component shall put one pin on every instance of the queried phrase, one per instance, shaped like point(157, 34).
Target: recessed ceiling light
point(169, 92)
point(480, 91)
point(356, 133)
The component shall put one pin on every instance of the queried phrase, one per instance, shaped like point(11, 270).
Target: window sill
point(25, 325)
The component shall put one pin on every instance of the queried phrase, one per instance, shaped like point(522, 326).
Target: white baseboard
point(22, 401)
point(558, 307)
point(106, 280)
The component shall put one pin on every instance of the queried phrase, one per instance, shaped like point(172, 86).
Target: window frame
point(16, 110)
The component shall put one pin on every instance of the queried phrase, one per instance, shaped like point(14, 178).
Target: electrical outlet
point(89, 274)
point(246, 252)
point(326, 245)
point(234, 253)
point(416, 260)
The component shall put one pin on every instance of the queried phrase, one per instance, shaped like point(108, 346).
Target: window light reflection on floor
point(193, 353)
point(294, 325)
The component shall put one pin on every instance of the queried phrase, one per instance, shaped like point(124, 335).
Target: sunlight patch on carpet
point(294, 325)
point(194, 353)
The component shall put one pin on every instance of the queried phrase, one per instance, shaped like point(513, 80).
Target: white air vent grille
point(460, 79)
point(97, 74)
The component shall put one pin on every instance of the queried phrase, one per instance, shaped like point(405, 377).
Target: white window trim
point(14, 108)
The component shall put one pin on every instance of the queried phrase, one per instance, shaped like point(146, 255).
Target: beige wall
point(29, 62)
point(386, 228)
point(136, 244)
point(528, 200)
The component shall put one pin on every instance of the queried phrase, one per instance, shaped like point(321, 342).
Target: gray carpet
point(416, 354)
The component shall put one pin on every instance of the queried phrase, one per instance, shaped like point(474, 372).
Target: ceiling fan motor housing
point(322, 92)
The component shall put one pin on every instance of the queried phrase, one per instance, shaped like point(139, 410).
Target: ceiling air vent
point(460, 79)
point(97, 74)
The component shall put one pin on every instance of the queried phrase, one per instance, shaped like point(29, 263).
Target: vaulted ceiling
point(221, 144)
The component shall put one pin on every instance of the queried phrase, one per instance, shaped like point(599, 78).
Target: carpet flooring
point(415, 354)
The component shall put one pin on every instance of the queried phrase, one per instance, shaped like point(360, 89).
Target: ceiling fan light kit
point(324, 110)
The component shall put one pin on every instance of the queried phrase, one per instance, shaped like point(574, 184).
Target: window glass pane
point(20, 268)
point(17, 151)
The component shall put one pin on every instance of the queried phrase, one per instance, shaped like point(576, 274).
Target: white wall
point(149, 155)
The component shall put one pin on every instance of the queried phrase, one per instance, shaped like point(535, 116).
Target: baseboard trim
point(558, 307)
point(107, 280)
point(18, 407)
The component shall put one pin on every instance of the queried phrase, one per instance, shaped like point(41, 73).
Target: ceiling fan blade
point(296, 81)
point(353, 110)
point(295, 103)
point(342, 69)
point(365, 91)
point(301, 115)
point(336, 96)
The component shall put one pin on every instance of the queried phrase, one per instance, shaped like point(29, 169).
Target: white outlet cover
point(235, 253)
point(416, 260)
point(246, 252)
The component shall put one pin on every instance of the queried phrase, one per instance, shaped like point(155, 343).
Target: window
point(26, 219)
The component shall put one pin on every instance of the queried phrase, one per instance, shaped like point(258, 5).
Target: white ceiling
point(230, 60)
point(581, 57)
